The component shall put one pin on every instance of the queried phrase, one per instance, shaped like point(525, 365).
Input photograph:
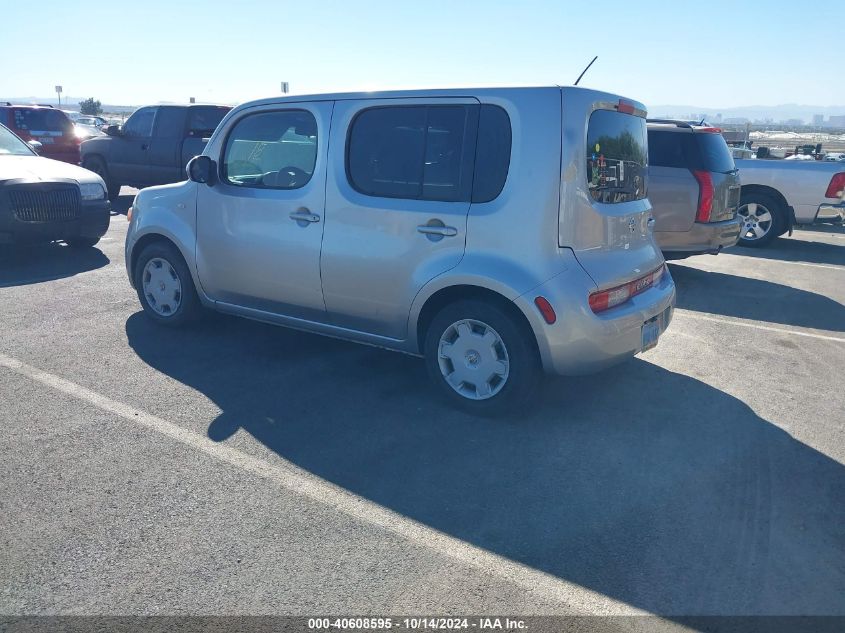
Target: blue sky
point(709, 54)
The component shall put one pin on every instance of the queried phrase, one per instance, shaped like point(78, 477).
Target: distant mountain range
point(776, 113)
point(755, 112)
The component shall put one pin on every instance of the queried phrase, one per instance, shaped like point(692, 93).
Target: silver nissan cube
point(497, 232)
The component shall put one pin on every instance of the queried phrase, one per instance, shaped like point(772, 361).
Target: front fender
point(168, 211)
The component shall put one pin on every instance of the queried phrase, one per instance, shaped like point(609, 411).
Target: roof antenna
point(585, 70)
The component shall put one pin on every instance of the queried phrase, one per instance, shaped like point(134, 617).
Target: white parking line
point(810, 264)
point(288, 476)
point(756, 326)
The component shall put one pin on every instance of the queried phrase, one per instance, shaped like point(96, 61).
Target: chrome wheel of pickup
point(756, 221)
point(473, 359)
point(162, 287)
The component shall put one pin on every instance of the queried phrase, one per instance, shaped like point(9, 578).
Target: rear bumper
point(831, 213)
point(710, 237)
point(93, 221)
point(582, 342)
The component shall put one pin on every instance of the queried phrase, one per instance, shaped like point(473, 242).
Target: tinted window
point(203, 120)
point(714, 153)
point(417, 152)
point(170, 122)
point(272, 150)
point(42, 121)
point(140, 123)
point(493, 153)
point(698, 150)
point(617, 156)
point(669, 149)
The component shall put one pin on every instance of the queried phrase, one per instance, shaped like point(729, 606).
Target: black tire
point(98, 166)
point(82, 242)
point(779, 223)
point(188, 306)
point(524, 369)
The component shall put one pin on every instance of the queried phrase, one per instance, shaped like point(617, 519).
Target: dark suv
point(694, 188)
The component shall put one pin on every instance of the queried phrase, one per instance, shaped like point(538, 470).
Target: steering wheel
point(290, 176)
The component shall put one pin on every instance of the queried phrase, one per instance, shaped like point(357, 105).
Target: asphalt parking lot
point(239, 468)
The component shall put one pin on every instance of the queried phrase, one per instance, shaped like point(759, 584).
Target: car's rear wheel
point(481, 357)
point(164, 285)
point(762, 219)
point(98, 166)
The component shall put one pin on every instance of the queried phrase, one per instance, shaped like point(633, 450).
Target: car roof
point(468, 91)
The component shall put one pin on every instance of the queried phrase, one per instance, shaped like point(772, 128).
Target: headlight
point(92, 191)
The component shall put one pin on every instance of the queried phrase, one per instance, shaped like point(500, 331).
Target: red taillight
point(836, 186)
point(606, 299)
point(625, 108)
point(705, 195)
point(546, 309)
point(714, 130)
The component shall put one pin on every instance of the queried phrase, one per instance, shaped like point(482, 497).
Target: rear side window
point(170, 122)
point(669, 149)
point(43, 122)
point(617, 157)
point(271, 150)
point(203, 120)
point(414, 152)
point(492, 154)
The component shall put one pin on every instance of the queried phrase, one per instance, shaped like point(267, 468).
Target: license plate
point(651, 332)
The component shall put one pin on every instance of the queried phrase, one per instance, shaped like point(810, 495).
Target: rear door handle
point(304, 217)
point(442, 231)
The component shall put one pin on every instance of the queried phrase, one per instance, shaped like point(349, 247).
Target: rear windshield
point(617, 158)
point(42, 122)
point(714, 153)
point(702, 150)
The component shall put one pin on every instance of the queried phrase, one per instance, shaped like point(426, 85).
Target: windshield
point(11, 145)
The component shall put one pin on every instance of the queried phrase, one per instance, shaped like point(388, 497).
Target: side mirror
point(113, 130)
point(202, 169)
point(35, 145)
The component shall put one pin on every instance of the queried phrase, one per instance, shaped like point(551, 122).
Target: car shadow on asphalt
point(794, 249)
point(23, 265)
point(639, 483)
point(756, 299)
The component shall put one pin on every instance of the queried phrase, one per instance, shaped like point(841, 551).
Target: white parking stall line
point(810, 264)
point(756, 326)
point(290, 477)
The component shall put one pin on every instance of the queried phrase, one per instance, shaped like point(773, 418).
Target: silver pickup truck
point(778, 194)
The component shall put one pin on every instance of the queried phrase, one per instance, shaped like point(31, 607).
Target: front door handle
point(304, 217)
point(434, 229)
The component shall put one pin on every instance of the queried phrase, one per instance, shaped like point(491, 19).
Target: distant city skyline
point(222, 52)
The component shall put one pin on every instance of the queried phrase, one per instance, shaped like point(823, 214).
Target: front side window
point(271, 150)
point(414, 152)
point(617, 157)
point(140, 124)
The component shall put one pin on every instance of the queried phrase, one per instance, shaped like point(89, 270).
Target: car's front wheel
point(481, 357)
point(164, 285)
